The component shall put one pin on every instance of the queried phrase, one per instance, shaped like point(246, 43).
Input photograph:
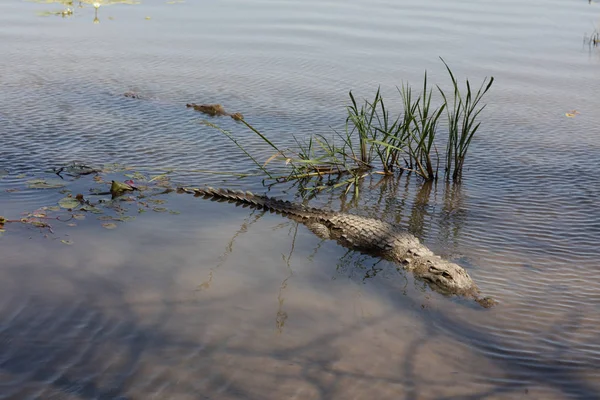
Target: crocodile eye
point(447, 276)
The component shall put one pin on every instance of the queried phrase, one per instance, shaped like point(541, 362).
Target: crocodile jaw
point(447, 276)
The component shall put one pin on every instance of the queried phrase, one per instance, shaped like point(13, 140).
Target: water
point(222, 302)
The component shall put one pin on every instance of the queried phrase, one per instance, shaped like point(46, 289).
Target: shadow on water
point(85, 350)
point(82, 349)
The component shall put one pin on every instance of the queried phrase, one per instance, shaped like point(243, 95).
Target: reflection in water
point(248, 221)
point(420, 210)
point(454, 214)
point(282, 315)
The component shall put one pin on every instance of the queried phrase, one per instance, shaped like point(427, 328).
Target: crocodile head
point(443, 276)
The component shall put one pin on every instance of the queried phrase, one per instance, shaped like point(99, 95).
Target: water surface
point(222, 302)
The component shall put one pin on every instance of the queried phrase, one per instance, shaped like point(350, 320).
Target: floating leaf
point(138, 176)
point(572, 113)
point(11, 190)
point(124, 218)
point(67, 242)
point(68, 203)
point(72, 224)
point(79, 216)
point(91, 209)
point(160, 209)
point(105, 218)
point(174, 212)
point(45, 183)
point(39, 224)
point(53, 208)
point(159, 177)
point(156, 201)
point(109, 225)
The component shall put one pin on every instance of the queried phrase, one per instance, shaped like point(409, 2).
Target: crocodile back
point(299, 211)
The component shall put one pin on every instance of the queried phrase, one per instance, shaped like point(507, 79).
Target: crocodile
point(367, 235)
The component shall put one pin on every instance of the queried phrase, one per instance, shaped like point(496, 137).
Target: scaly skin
point(368, 235)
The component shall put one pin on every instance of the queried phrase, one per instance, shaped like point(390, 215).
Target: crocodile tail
point(243, 198)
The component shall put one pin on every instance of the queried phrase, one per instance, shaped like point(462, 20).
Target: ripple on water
point(525, 222)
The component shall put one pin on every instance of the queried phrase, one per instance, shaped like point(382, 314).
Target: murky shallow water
point(222, 302)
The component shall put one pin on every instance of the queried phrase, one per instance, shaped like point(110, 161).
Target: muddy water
point(222, 302)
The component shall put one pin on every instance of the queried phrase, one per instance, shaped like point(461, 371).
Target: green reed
point(462, 122)
point(375, 141)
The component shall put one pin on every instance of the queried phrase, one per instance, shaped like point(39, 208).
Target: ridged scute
point(260, 202)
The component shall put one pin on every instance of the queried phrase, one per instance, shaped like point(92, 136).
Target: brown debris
point(132, 95)
point(214, 110)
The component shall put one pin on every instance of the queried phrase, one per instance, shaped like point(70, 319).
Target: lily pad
point(39, 224)
point(92, 209)
point(124, 218)
point(45, 183)
point(79, 216)
point(138, 176)
point(157, 201)
point(67, 242)
point(68, 202)
point(109, 225)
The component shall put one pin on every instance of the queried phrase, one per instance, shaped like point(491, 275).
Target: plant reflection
point(251, 219)
point(282, 315)
point(420, 210)
point(454, 214)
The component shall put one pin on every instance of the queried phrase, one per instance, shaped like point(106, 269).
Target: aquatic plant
point(376, 142)
point(462, 122)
